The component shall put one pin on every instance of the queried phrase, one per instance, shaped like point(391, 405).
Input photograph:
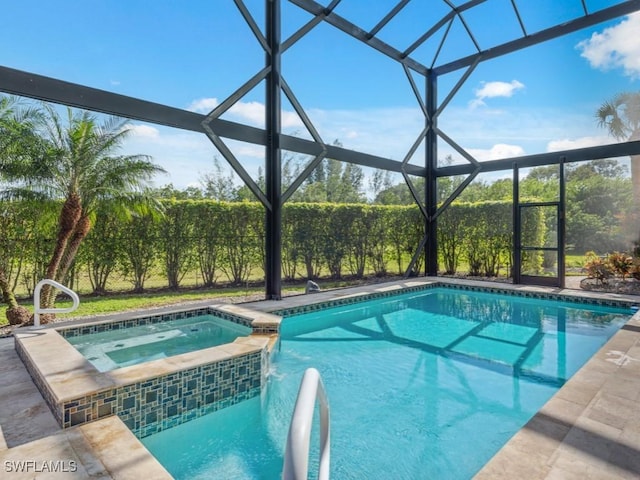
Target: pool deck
point(32, 444)
point(590, 429)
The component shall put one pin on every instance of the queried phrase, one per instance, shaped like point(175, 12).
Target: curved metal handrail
point(296, 456)
point(36, 300)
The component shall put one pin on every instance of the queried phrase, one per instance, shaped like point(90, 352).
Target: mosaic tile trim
point(270, 329)
point(231, 317)
point(154, 403)
point(171, 422)
point(351, 300)
point(484, 289)
point(151, 319)
point(604, 302)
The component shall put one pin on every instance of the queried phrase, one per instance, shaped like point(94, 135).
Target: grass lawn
point(102, 305)
point(123, 302)
point(574, 264)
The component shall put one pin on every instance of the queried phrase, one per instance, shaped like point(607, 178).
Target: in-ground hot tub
point(111, 349)
point(155, 394)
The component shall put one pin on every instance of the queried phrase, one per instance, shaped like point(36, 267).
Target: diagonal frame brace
point(315, 8)
point(238, 94)
point(235, 164)
point(300, 111)
point(456, 88)
point(458, 148)
point(466, 27)
point(447, 18)
point(388, 17)
point(456, 192)
point(303, 175)
point(405, 175)
point(442, 42)
point(314, 133)
point(416, 255)
point(301, 32)
point(307, 27)
point(519, 17)
point(253, 25)
point(416, 92)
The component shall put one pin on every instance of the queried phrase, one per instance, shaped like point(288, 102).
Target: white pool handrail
point(296, 457)
point(36, 300)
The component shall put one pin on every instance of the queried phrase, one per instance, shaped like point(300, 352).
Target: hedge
point(226, 240)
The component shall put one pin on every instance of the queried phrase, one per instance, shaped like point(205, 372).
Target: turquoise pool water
point(130, 346)
point(423, 385)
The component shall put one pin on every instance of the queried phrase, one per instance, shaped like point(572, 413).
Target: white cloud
point(615, 47)
point(203, 105)
point(350, 134)
point(250, 113)
point(143, 131)
point(115, 83)
point(247, 150)
point(182, 154)
point(291, 120)
point(583, 142)
point(387, 132)
point(496, 152)
point(495, 89)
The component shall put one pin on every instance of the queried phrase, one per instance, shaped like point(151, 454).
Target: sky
point(192, 55)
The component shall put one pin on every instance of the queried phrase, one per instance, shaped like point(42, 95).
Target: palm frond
point(620, 115)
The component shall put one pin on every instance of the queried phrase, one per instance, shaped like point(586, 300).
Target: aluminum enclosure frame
point(35, 86)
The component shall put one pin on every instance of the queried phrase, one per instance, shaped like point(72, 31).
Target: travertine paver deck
point(24, 415)
point(103, 449)
point(32, 444)
point(589, 429)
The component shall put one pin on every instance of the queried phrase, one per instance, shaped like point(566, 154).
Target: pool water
point(130, 346)
point(423, 385)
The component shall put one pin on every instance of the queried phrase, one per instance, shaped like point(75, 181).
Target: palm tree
point(621, 116)
point(81, 169)
point(19, 142)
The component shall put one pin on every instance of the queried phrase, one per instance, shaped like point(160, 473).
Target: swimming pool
point(112, 349)
point(421, 385)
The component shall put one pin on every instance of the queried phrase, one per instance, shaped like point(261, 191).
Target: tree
point(621, 117)
point(170, 192)
point(219, 185)
point(140, 248)
point(18, 143)
point(102, 249)
point(598, 195)
point(331, 181)
point(81, 168)
point(379, 182)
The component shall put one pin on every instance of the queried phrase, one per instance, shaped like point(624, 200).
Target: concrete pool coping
point(589, 429)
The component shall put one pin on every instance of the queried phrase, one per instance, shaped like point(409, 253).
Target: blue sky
point(192, 55)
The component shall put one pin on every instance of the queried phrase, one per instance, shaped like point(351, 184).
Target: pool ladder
point(36, 300)
point(296, 456)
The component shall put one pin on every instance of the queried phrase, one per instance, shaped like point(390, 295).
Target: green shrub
point(597, 267)
point(620, 263)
